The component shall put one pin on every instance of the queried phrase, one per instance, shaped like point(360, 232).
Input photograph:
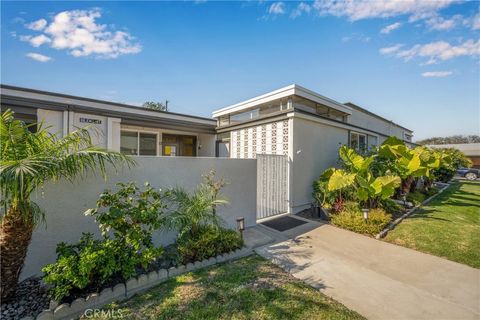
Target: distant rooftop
point(470, 149)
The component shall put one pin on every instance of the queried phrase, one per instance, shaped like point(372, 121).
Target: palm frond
point(29, 159)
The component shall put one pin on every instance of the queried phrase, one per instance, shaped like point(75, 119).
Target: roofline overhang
point(291, 90)
point(59, 101)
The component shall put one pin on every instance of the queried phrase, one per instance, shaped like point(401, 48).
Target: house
point(115, 126)
point(471, 150)
point(270, 148)
point(305, 126)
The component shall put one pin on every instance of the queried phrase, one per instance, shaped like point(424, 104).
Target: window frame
point(358, 148)
point(156, 133)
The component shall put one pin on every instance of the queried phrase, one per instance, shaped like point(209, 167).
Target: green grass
point(250, 288)
point(449, 226)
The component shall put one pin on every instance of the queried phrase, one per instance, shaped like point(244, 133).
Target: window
point(407, 136)
point(148, 144)
point(129, 142)
point(358, 141)
point(138, 143)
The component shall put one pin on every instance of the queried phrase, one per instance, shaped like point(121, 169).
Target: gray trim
point(127, 118)
point(5, 86)
point(187, 127)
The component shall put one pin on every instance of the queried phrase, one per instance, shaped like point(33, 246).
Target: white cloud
point(438, 23)
point(300, 9)
point(364, 9)
point(37, 25)
point(476, 22)
point(277, 8)
point(392, 49)
point(38, 57)
point(36, 41)
point(390, 28)
point(436, 74)
point(78, 32)
point(439, 50)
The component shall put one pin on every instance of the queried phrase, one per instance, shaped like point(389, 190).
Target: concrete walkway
point(377, 279)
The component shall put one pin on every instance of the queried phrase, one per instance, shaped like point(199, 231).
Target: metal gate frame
point(272, 185)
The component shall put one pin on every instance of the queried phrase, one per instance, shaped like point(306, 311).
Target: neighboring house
point(471, 150)
point(305, 126)
point(120, 127)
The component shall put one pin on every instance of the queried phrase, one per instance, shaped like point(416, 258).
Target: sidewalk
point(377, 279)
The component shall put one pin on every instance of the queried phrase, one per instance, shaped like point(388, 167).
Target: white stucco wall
point(64, 203)
point(52, 120)
point(98, 131)
point(104, 131)
point(368, 121)
point(314, 149)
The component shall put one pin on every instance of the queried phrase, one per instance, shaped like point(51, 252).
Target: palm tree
point(193, 211)
point(27, 161)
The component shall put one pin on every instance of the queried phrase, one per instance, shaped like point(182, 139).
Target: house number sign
point(89, 120)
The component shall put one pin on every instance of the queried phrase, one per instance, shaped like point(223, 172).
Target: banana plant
point(409, 163)
point(357, 173)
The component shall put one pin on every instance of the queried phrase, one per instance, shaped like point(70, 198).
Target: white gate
point(272, 185)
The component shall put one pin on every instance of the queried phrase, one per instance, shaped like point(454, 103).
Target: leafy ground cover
point(250, 288)
point(449, 226)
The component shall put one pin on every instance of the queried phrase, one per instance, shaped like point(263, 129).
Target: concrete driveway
point(377, 279)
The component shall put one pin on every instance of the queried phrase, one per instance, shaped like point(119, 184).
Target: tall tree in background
point(160, 106)
point(27, 161)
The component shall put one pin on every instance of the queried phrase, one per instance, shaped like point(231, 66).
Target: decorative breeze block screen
point(271, 138)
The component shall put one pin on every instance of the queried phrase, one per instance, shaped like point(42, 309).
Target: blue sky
point(414, 62)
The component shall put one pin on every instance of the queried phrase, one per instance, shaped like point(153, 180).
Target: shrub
point(448, 169)
point(416, 197)
point(88, 264)
point(431, 191)
point(209, 242)
point(127, 224)
point(327, 198)
point(353, 220)
point(390, 206)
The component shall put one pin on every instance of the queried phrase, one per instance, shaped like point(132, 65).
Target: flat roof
point(293, 89)
point(40, 99)
point(352, 105)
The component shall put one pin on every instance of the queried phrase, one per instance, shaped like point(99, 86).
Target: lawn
point(250, 288)
point(449, 226)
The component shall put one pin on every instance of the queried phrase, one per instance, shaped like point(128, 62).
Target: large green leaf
point(325, 176)
point(385, 186)
point(340, 179)
point(414, 164)
point(353, 160)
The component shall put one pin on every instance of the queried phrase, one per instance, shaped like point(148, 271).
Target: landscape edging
point(394, 223)
point(123, 291)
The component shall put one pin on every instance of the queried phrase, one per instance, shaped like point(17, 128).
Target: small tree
point(159, 106)
point(28, 161)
